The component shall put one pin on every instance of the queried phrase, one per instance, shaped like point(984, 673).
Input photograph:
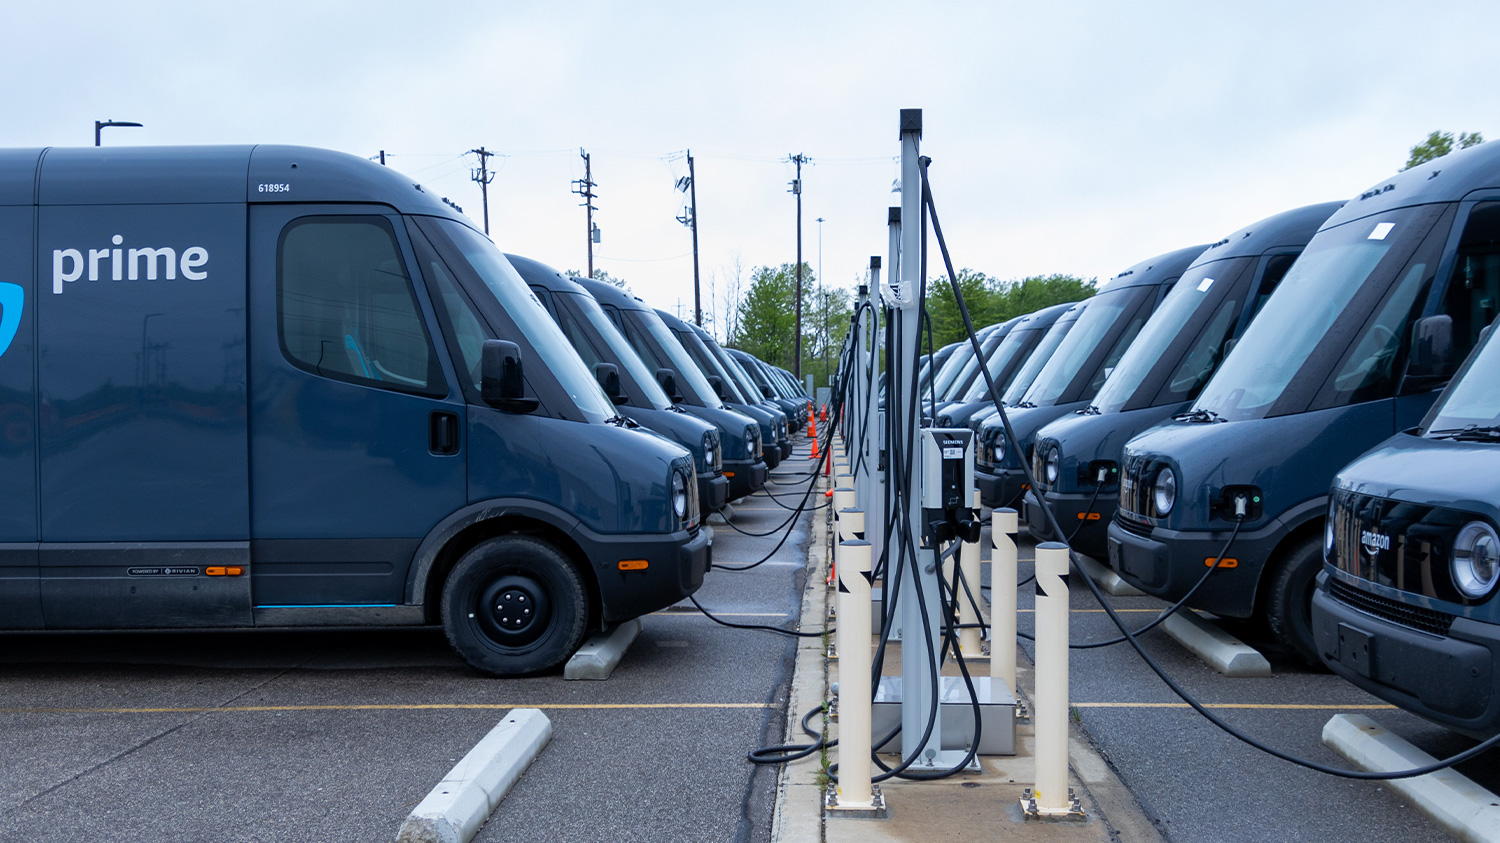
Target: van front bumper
point(1000, 486)
point(745, 477)
point(1170, 562)
point(675, 565)
point(1448, 679)
point(1087, 514)
point(771, 455)
point(713, 491)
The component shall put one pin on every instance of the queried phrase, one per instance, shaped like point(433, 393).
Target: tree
point(599, 275)
point(1439, 144)
point(989, 300)
point(766, 323)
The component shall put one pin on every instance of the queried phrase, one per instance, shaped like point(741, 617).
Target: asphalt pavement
point(334, 735)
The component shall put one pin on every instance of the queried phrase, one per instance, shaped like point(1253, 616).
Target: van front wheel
point(514, 605)
point(1289, 601)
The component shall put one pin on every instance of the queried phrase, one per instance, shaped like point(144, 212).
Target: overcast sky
point(1071, 137)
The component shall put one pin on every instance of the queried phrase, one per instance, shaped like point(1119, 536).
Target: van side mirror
point(718, 384)
point(608, 376)
point(1228, 347)
point(765, 391)
point(667, 380)
point(501, 384)
point(1431, 347)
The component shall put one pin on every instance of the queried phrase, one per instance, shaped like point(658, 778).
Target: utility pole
point(799, 159)
point(585, 187)
point(690, 219)
point(481, 175)
point(100, 125)
point(382, 158)
point(822, 305)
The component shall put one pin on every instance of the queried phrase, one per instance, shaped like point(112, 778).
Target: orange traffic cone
point(815, 448)
point(812, 425)
point(823, 413)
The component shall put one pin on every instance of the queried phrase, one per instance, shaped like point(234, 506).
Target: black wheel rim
point(513, 611)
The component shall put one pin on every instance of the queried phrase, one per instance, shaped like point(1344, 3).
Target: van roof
point(1291, 229)
point(536, 272)
point(1445, 179)
point(162, 175)
point(1153, 270)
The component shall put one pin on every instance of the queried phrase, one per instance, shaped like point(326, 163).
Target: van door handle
point(442, 433)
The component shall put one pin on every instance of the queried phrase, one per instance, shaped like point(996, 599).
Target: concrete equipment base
point(997, 715)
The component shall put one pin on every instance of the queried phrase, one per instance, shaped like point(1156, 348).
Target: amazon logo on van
point(12, 299)
point(122, 264)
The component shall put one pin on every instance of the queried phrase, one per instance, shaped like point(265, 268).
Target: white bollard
point(854, 789)
point(968, 592)
point(843, 498)
point(1003, 527)
point(851, 525)
point(1051, 792)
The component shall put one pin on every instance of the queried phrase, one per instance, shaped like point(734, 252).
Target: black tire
point(1289, 599)
point(514, 605)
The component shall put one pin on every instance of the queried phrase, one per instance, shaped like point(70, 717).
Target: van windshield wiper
point(1090, 410)
point(1471, 433)
point(1200, 417)
point(620, 421)
point(1025, 405)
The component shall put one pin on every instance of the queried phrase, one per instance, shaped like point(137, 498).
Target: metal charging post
point(1051, 797)
point(921, 608)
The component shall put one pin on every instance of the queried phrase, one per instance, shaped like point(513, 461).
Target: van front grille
point(1412, 617)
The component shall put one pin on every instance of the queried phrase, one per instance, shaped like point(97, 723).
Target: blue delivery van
point(1004, 364)
point(1405, 606)
point(1076, 461)
point(277, 386)
point(681, 379)
point(1371, 321)
point(624, 378)
point(781, 416)
point(727, 386)
point(1025, 376)
point(1104, 329)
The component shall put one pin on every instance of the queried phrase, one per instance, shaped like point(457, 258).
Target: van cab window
point(345, 306)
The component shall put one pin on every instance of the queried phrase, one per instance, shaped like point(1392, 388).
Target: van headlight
point(751, 433)
point(1476, 559)
point(679, 495)
point(1051, 466)
point(1164, 492)
point(708, 451)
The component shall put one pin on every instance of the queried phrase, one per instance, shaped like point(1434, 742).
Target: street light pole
point(100, 125)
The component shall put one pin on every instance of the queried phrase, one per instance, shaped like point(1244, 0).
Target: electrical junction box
point(947, 469)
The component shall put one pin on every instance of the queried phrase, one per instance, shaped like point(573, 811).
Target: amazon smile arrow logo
point(12, 298)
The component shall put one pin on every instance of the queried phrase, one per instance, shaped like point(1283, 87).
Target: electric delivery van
point(1076, 461)
point(685, 385)
point(1003, 364)
point(1105, 328)
point(277, 386)
point(1370, 322)
point(624, 377)
point(1405, 606)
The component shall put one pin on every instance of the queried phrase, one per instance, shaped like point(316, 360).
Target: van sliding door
point(20, 599)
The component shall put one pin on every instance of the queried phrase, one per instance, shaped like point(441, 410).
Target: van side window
point(1270, 279)
point(1473, 290)
point(345, 306)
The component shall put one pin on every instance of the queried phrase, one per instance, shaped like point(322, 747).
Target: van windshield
point(711, 366)
point(645, 322)
point(1002, 358)
point(1303, 310)
point(553, 352)
point(1474, 398)
point(1038, 359)
point(584, 309)
point(951, 369)
point(1190, 294)
point(1100, 316)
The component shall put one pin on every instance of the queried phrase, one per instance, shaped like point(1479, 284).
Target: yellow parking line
point(1259, 706)
point(382, 707)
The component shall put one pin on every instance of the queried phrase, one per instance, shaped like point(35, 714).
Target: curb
point(454, 811)
point(1222, 651)
point(601, 654)
point(1451, 799)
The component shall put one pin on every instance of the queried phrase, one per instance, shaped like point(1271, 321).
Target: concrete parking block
point(463, 800)
point(601, 654)
point(1452, 799)
point(1106, 578)
point(1220, 650)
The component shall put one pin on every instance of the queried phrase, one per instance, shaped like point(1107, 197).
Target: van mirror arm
point(501, 383)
